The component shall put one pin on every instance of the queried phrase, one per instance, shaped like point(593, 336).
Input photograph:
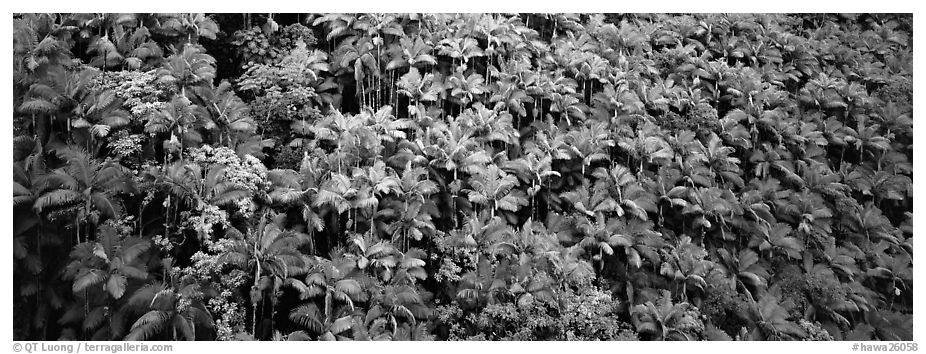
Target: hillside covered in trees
point(462, 177)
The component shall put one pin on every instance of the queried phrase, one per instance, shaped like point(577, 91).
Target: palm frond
point(148, 325)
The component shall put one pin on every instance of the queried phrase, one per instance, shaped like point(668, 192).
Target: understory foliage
point(462, 177)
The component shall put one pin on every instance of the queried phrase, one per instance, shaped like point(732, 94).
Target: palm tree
point(412, 187)
point(136, 47)
point(87, 183)
point(664, 320)
point(223, 111)
point(342, 130)
point(687, 266)
point(377, 27)
point(494, 188)
point(410, 52)
point(740, 270)
point(809, 212)
point(779, 239)
point(336, 194)
point(273, 255)
point(324, 327)
point(172, 311)
point(510, 97)
point(188, 26)
point(457, 148)
point(600, 236)
point(375, 182)
point(101, 272)
point(627, 191)
point(299, 189)
point(43, 69)
point(590, 143)
point(534, 168)
point(418, 87)
point(108, 261)
point(386, 125)
point(398, 305)
point(591, 200)
point(337, 24)
point(646, 146)
point(716, 157)
point(490, 125)
point(460, 48)
point(413, 220)
point(484, 285)
point(37, 257)
point(377, 257)
point(199, 188)
point(177, 117)
point(772, 320)
point(190, 67)
point(635, 237)
point(73, 95)
point(357, 54)
point(778, 159)
point(465, 89)
point(334, 282)
point(409, 267)
point(28, 172)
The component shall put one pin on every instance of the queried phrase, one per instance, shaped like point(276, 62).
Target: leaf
point(747, 258)
point(341, 324)
point(133, 272)
point(307, 316)
point(299, 336)
point(880, 272)
point(100, 251)
point(56, 198)
point(861, 332)
point(87, 279)
point(634, 258)
point(116, 285)
point(349, 286)
point(148, 325)
point(80, 123)
point(697, 281)
point(186, 328)
point(95, 318)
point(751, 279)
point(100, 130)
point(37, 106)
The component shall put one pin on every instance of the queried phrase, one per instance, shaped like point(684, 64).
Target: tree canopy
point(462, 177)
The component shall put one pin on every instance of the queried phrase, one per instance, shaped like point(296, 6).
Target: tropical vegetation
point(462, 177)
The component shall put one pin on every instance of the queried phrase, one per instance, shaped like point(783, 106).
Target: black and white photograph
point(461, 177)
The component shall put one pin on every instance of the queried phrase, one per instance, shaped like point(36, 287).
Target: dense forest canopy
point(447, 176)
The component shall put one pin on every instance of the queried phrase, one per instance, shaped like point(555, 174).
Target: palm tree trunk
point(534, 204)
point(312, 240)
point(372, 215)
point(255, 286)
point(395, 95)
point(87, 213)
point(272, 308)
point(336, 234)
point(67, 124)
point(600, 261)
